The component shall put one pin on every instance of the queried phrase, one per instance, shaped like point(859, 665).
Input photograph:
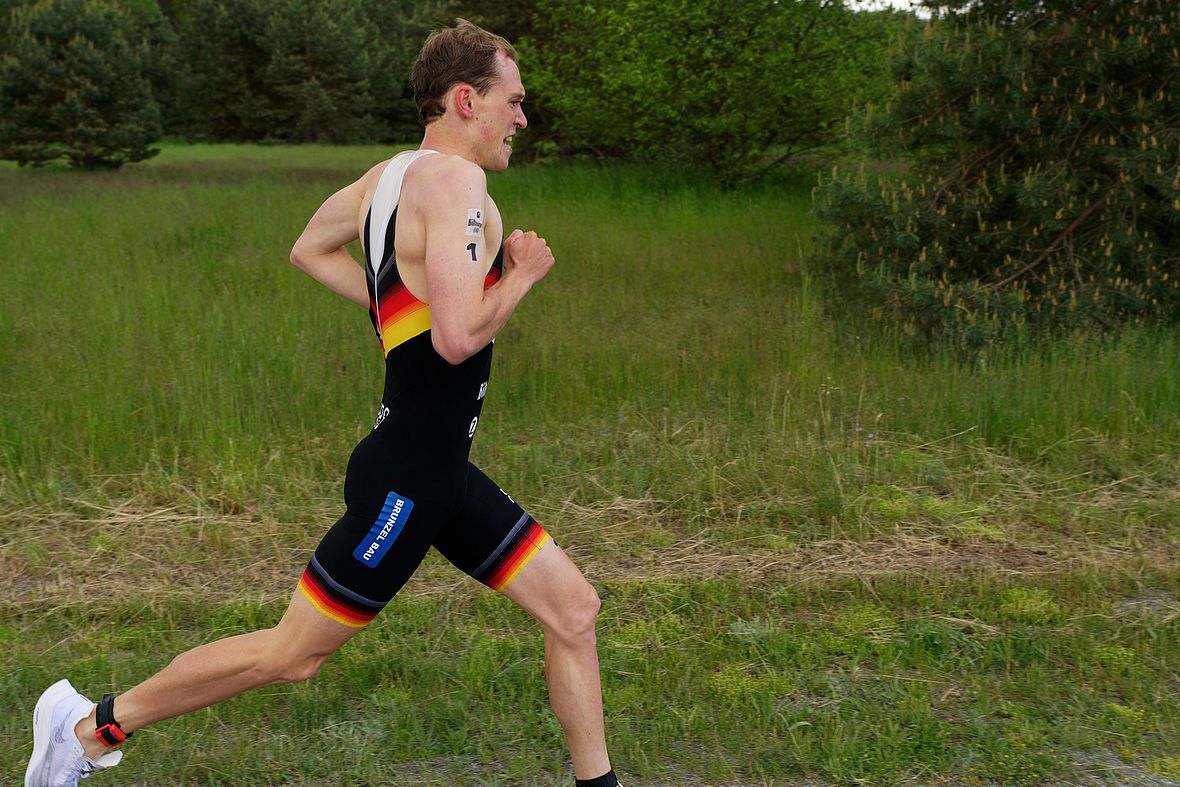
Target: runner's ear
point(462, 99)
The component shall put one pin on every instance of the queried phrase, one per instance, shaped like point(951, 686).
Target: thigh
point(367, 556)
point(492, 538)
point(306, 631)
point(361, 563)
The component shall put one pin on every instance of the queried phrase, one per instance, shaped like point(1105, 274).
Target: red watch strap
point(107, 730)
point(110, 734)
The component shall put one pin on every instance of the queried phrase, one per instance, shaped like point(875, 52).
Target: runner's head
point(463, 54)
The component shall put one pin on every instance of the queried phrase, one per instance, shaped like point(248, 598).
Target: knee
point(280, 663)
point(579, 615)
point(300, 669)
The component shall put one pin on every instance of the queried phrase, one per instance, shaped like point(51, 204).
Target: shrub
point(1044, 192)
point(730, 88)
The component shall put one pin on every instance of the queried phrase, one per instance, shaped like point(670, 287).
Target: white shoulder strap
point(385, 199)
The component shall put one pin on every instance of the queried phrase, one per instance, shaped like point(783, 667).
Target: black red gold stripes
point(334, 604)
point(520, 549)
point(400, 316)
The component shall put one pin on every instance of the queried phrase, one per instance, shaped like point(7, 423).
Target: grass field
point(824, 559)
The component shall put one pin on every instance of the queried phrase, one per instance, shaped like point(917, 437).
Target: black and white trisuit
point(409, 484)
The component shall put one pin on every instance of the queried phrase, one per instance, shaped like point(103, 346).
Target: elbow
point(298, 256)
point(453, 349)
point(305, 254)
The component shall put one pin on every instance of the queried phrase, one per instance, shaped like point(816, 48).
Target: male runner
point(439, 284)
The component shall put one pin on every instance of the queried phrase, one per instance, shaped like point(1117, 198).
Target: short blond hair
point(465, 53)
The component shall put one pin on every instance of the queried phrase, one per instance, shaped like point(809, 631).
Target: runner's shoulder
point(371, 177)
point(443, 179)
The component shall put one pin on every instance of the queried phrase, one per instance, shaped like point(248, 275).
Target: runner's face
point(500, 114)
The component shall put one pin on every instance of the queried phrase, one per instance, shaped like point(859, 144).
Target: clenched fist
point(527, 254)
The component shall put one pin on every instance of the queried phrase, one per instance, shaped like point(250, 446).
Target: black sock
point(607, 779)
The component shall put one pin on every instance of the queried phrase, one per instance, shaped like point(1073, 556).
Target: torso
point(410, 238)
point(429, 408)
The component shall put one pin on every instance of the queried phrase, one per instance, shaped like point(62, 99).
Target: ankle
point(92, 747)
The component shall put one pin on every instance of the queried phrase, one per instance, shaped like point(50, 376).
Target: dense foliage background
point(1045, 188)
point(74, 84)
point(1036, 142)
point(730, 87)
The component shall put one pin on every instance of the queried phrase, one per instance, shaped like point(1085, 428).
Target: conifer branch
point(1052, 246)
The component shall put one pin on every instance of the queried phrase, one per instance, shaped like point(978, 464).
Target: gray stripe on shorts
point(503, 545)
point(343, 590)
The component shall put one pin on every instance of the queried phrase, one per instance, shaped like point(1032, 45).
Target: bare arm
point(464, 316)
point(320, 251)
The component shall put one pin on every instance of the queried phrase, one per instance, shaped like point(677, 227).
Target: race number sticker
point(474, 222)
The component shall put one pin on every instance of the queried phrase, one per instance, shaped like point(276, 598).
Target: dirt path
point(56, 558)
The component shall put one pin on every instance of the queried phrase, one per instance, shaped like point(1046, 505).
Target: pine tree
point(333, 71)
point(320, 59)
point(72, 86)
point(222, 93)
point(1044, 193)
point(396, 31)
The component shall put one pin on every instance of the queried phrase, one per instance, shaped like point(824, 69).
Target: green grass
point(823, 557)
point(718, 679)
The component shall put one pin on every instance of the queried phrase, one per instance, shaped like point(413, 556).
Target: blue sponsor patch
point(385, 530)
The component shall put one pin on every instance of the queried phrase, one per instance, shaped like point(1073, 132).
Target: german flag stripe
point(391, 317)
point(332, 607)
point(517, 556)
point(396, 303)
point(414, 323)
point(402, 316)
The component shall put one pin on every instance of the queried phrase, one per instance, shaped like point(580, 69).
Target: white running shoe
point(57, 759)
